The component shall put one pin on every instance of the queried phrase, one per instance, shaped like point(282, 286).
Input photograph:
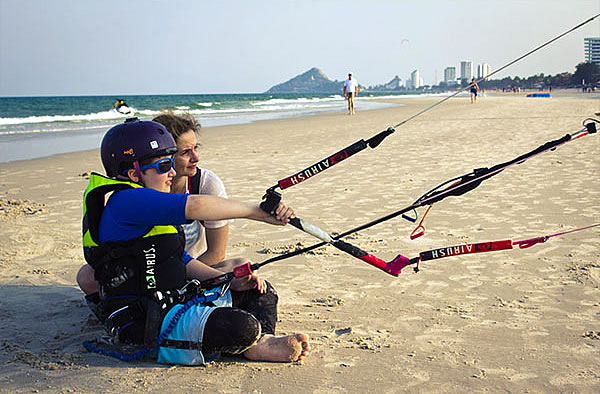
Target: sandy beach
point(509, 321)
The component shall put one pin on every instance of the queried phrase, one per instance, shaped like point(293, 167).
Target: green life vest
point(138, 267)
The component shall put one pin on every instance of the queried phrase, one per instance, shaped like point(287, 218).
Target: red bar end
point(395, 266)
point(242, 270)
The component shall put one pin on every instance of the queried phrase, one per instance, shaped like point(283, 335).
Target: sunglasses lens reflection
point(164, 166)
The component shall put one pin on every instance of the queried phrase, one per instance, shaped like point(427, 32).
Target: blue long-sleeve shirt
point(130, 213)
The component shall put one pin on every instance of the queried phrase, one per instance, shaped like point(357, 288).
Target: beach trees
point(586, 73)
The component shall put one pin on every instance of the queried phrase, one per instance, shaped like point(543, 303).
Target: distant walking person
point(474, 90)
point(350, 92)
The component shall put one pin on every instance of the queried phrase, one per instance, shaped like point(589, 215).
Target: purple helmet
point(134, 140)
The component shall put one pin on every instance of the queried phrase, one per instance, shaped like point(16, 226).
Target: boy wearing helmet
point(134, 246)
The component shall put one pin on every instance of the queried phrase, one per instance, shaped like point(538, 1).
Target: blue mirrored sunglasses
point(162, 166)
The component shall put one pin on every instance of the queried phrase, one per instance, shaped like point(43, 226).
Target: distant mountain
point(394, 84)
point(312, 81)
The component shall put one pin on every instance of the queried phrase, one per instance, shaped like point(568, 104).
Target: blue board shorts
point(189, 331)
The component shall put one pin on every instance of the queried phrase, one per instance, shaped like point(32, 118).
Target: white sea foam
point(263, 108)
point(60, 133)
point(54, 129)
point(270, 105)
point(309, 100)
point(104, 115)
point(301, 105)
point(405, 96)
point(148, 112)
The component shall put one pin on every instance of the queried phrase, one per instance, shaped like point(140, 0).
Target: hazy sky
point(73, 47)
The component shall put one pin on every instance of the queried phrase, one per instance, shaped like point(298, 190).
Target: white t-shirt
point(211, 184)
point(350, 85)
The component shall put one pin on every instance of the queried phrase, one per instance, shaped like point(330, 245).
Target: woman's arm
point(197, 270)
point(216, 245)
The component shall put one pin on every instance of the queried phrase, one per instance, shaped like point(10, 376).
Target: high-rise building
point(415, 79)
point(466, 70)
point(592, 49)
point(483, 70)
point(449, 74)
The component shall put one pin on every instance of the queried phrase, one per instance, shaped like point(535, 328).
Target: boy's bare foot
point(287, 348)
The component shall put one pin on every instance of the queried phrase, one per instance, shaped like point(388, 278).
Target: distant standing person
point(350, 92)
point(474, 90)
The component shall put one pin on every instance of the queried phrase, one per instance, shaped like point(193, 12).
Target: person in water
point(205, 239)
point(121, 106)
point(134, 243)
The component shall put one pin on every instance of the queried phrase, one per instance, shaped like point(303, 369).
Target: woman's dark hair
point(177, 124)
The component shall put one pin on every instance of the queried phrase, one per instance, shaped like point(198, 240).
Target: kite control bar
point(395, 266)
point(459, 186)
point(454, 187)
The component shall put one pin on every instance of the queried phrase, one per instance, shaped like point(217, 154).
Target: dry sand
point(515, 321)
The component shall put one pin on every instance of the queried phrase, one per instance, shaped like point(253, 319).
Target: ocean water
point(32, 127)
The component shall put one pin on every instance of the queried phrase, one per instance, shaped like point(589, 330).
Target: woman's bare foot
point(287, 348)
